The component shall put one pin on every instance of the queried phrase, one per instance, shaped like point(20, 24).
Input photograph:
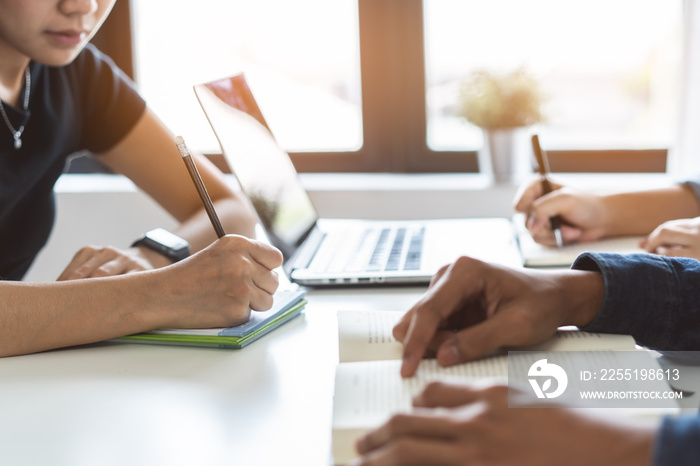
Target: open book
point(537, 255)
point(368, 385)
point(367, 336)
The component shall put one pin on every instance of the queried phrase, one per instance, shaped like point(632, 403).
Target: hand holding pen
point(543, 168)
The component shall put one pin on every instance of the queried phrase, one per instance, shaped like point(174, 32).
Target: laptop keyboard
point(415, 251)
point(376, 250)
point(394, 259)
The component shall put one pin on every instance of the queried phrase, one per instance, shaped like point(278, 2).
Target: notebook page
point(537, 255)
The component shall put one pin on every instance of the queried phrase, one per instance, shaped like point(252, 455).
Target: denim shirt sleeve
point(653, 298)
point(657, 300)
point(677, 442)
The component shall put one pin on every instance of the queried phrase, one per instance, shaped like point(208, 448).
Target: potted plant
point(500, 104)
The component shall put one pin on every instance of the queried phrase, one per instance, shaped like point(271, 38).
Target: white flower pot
point(504, 155)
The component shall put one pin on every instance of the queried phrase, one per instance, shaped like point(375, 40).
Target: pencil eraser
point(180, 143)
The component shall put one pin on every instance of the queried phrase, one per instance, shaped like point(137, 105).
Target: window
point(302, 62)
point(609, 68)
point(371, 85)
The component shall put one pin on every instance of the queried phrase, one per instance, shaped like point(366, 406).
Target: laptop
point(320, 251)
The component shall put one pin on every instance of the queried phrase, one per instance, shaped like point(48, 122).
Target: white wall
point(99, 211)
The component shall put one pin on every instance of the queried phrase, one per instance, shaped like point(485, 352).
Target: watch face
point(167, 239)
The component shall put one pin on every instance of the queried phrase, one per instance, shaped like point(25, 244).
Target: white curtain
point(684, 160)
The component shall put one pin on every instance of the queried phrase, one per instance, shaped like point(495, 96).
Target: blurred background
point(374, 85)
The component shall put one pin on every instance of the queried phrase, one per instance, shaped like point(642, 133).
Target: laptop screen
point(263, 169)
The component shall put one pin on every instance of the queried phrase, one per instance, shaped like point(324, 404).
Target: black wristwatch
point(165, 243)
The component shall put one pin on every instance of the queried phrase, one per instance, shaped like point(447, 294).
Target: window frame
point(394, 120)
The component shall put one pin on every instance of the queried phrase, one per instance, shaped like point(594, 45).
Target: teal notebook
point(288, 304)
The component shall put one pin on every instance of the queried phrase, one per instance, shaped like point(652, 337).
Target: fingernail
point(449, 355)
point(360, 445)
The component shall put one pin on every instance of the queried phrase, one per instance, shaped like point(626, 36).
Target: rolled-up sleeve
point(656, 300)
point(653, 298)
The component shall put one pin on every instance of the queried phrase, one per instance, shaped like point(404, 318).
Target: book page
point(367, 335)
point(572, 339)
point(368, 393)
point(537, 255)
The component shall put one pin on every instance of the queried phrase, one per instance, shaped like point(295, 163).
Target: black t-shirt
point(87, 105)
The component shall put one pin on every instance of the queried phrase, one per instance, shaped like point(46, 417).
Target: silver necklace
point(17, 133)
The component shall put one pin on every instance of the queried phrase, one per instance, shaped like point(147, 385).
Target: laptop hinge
point(303, 256)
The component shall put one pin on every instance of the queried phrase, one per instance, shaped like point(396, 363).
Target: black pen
point(543, 168)
point(201, 189)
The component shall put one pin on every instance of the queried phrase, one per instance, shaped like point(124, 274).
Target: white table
point(133, 404)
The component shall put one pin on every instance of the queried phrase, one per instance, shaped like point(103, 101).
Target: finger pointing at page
point(487, 306)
